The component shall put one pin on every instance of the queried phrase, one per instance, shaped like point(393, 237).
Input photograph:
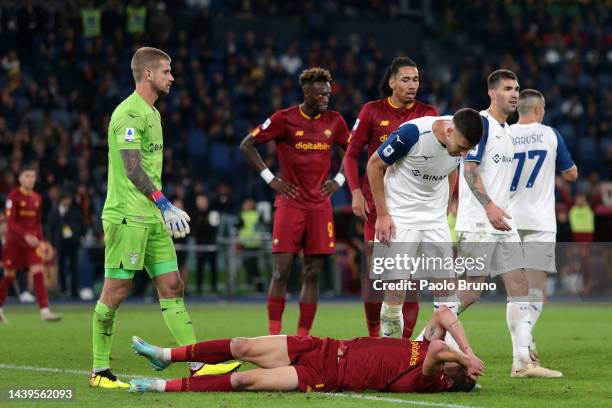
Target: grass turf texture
point(573, 338)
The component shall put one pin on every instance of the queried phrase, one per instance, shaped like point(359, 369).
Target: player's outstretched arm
point(444, 320)
point(496, 215)
point(247, 147)
point(385, 227)
point(177, 220)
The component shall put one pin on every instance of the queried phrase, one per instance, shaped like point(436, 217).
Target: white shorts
point(431, 248)
point(493, 254)
point(539, 250)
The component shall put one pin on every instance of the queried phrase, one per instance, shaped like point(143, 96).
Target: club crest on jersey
point(133, 258)
point(327, 133)
point(384, 123)
point(129, 134)
point(388, 151)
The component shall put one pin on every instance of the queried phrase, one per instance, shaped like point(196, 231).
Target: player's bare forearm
point(473, 180)
point(135, 173)
point(375, 171)
point(447, 321)
point(452, 181)
point(247, 147)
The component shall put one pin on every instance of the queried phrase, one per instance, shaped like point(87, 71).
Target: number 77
point(540, 154)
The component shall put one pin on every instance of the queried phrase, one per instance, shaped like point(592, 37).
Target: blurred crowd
point(63, 70)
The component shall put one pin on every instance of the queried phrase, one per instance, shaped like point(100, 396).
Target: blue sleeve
point(475, 155)
point(564, 160)
point(399, 143)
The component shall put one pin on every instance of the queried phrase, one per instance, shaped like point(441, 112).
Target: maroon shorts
point(316, 362)
point(19, 257)
point(368, 228)
point(312, 230)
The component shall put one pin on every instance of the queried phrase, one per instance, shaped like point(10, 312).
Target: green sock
point(103, 332)
point(178, 321)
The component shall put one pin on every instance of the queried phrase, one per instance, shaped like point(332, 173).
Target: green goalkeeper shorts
point(130, 246)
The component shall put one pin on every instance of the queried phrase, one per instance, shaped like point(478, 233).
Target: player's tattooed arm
point(135, 173)
point(473, 180)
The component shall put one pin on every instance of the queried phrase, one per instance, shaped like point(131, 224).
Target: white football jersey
point(416, 183)
point(538, 151)
point(494, 153)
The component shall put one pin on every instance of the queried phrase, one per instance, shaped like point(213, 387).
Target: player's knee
point(240, 347)
point(280, 275)
point(242, 381)
point(311, 276)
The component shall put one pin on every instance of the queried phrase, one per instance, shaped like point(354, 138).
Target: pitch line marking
point(331, 394)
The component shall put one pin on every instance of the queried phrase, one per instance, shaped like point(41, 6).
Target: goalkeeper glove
point(176, 219)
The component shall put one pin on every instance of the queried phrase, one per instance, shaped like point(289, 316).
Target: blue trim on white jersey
point(475, 155)
point(399, 143)
point(564, 160)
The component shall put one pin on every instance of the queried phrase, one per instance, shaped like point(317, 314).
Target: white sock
point(518, 317)
point(158, 385)
point(44, 310)
point(454, 307)
point(536, 301)
point(166, 355)
point(391, 320)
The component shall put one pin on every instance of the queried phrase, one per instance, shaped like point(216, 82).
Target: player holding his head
point(484, 227)
point(138, 220)
point(290, 363)
point(24, 242)
point(539, 150)
point(305, 135)
point(376, 120)
point(412, 200)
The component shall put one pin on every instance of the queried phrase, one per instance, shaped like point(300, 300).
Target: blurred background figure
point(204, 230)
point(249, 237)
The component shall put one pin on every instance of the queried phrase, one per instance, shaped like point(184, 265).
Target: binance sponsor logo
point(327, 133)
point(384, 123)
point(312, 146)
point(383, 138)
point(27, 213)
point(299, 133)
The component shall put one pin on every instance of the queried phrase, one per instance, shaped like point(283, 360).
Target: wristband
point(267, 175)
point(156, 196)
point(340, 179)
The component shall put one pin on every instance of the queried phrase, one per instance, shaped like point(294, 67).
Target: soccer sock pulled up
point(179, 323)
point(410, 313)
point(5, 284)
point(208, 352)
point(307, 314)
point(536, 301)
point(391, 320)
point(276, 307)
point(41, 290)
point(204, 383)
point(372, 312)
point(103, 333)
point(518, 317)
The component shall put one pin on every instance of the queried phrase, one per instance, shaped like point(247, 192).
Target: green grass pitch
point(574, 338)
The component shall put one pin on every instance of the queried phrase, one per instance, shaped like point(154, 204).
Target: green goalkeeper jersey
point(134, 125)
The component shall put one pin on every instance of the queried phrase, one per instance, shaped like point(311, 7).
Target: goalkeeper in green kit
point(139, 220)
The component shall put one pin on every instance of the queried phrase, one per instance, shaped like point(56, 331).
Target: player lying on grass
point(291, 363)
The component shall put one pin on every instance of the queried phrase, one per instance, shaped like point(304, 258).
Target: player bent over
point(421, 159)
point(305, 136)
point(138, 219)
point(24, 242)
point(289, 363)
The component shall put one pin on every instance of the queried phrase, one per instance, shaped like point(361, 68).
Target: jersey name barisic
point(416, 185)
point(538, 151)
point(495, 155)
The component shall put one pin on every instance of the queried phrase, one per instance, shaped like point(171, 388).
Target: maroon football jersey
point(385, 364)
point(304, 148)
point(22, 212)
point(376, 121)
